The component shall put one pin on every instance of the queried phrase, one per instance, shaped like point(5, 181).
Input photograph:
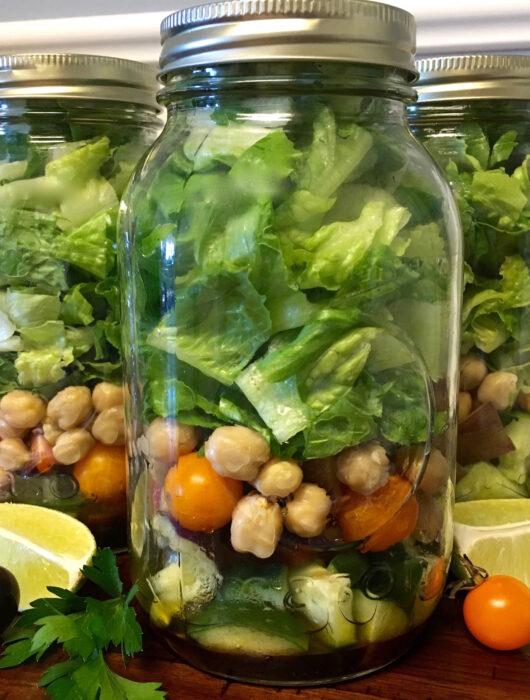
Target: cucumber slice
point(246, 629)
point(264, 586)
point(189, 581)
point(324, 599)
point(378, 620)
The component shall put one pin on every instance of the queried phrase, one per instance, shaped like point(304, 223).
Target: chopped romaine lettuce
point(58, 204)
point(270, 261)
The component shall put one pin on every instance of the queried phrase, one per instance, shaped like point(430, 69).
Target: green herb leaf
point(104, 572)
point(85, 628)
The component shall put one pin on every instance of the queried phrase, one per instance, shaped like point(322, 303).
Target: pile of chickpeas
point(279, 497)
point(480, 386)
point(70, 423)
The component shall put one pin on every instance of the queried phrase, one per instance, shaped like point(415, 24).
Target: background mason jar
point(474, 117)
point(72, 128)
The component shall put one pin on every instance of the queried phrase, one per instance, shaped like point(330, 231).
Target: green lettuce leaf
point(50, 333)
point(497, 198)
point(36, 368)
point(502, 148)
point(212, 144)
point(75, 308)
point(334, 155)
point(81, 164)
point(216, 326)
point(27, 309)
point(90, 247)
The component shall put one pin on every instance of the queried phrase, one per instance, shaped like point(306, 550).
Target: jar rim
point(473, 77)
point(77, 76)
point(352, 31)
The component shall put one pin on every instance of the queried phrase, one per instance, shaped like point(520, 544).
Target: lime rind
point(43, 547)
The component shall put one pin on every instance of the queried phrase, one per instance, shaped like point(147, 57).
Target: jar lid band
point(474, 77)
point(355, 31)
point(79, 76)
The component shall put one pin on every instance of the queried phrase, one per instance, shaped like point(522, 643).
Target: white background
point(129, 28)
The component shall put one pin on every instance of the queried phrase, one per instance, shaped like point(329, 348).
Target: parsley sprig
point(85, 628)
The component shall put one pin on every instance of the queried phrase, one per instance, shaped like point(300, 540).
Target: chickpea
point(237, 452)
point(430, 519)
point(51, 432)
point(436, 473)
point(498, 388)
point(473, 369)
point(106, 395)
point(109, 426)
point(364, 468)
point(72, 446)
point(306, 515)
point(167, 439)
point(465, 404)
point(70, 407)
point(256, 526)
point(22, 409)
point(7, 430)
point(13, 454)
point(278, 477)
point(523, 400)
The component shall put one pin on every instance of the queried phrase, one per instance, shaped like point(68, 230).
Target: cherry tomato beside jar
point(497, 613)
point(198, 497)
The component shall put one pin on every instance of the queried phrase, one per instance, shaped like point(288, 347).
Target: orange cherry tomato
point(42, 453)
point(435, 580)
point(361, 516)
point(497, 613)
point(198, 497)
point(102, 473)
point(397, 529)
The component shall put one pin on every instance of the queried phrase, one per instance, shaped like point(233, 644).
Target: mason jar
point(72, 128)
point(290, 270)
point(473, 115)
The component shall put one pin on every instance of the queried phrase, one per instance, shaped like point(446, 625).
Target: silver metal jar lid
point(474, 77)
point(242, 31)
point(79, 76)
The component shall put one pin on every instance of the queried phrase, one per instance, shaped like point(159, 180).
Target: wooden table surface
point(446, 664)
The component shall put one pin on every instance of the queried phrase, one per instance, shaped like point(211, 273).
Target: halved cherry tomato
point(397, 529)
point(435, 580)
point(42, 453)
point(497, 613)
point(102, 473)
point(361, 516)
point(198, 497)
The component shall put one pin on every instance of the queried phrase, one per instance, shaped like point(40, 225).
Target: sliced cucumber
point(324, 599)
point(189, 581)
point(378, 619)
point(246, 629)
point(264, 586)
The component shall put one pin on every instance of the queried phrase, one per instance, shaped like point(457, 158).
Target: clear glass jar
point(290, 267)
point(72, 128)
point(480, 136)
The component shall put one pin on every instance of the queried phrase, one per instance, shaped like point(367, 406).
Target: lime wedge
point(43, 547)
point(495, 535)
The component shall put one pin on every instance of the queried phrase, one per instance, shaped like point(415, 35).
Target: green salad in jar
point(290, 275)
point(484, 150)
point(61, 396)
